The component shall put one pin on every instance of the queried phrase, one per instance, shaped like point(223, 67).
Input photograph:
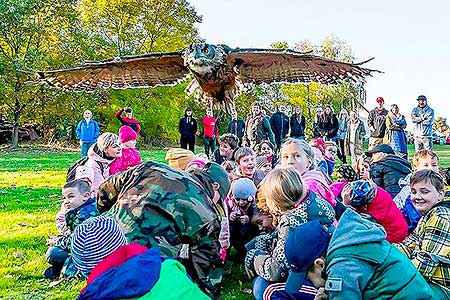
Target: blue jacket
point(423, 121)
point(88, 133)
point(361, 264)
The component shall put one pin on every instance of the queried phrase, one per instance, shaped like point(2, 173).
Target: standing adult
point(87, 132)
point(377, 123)
point(316, 129)
point(297, 124)
point(209, 132)
point(187, 128)
point(422, 116)
point(354, 137)
point(257, 127)
point(236, 127)
point(177, 212)
point(342, 132)
point(395, 132)
point(279, 122)
point(128, 119)
point(328, 124)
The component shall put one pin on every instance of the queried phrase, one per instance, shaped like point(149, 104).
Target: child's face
point(266, 168)
point(225, 150)
point(266, 150)
point(115, 150)
point(244, 203)
point(264, 223)
point(293, 155)
point(364, 171)
point(424, 196)
point(247, 165)
point(73, 198)
point(428, 162)
point(330, 151)
point(130, 144)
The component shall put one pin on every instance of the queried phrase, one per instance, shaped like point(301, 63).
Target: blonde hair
point(422, 154)
point(106, 140)
point(284, 187)
point(359, 163)
point(305, 148)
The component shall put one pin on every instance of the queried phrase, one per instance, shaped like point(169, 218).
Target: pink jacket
point(316, 182)
point(384, 210)
point(100, 173)
point(130, 158)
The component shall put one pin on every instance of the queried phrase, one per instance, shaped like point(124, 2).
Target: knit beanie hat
point(362, 193)
point(126, 133)
point(319, 143)
point(347, 172)
point(95, 239)
point(179, 158)
point(200, 162)
point(262, 160)
point(243, 188)
point(217, 174)
point(82, 172)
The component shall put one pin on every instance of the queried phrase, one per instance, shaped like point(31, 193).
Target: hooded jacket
point(314, 180)
point(187, 126)
point(99, 165)
point(279, 122)
point(361, 264)
point(387, 171)
point(88, 132)
point(133, 272)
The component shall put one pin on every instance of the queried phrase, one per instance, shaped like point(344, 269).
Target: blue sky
point(410, 40)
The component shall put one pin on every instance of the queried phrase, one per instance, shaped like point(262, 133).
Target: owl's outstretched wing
point(281, 65)
point(120, 73)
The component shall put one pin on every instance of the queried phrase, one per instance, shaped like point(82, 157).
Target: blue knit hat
point(95, 239)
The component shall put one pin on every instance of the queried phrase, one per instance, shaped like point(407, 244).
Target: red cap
point(380, 99)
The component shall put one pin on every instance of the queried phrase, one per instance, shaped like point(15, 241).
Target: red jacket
point(384, 211)
point(209, 127)
point(133, 123)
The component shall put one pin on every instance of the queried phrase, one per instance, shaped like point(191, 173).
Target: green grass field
point(30, 193)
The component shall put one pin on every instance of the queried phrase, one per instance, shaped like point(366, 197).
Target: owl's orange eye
point(205, 50)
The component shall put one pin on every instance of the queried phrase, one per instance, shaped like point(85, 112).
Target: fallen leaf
point(55, 283)
point(247, 291)
point(18, 255)
point(13, 186)
point(8, 276)
point(24, 224)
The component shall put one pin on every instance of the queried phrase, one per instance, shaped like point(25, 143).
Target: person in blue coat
point(87, 132)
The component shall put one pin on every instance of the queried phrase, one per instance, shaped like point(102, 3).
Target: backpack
point(81, 162)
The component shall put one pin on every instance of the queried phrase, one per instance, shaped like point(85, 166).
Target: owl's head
point(204, 58)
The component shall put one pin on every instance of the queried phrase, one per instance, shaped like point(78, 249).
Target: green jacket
point(361, 264)
point(157, 205)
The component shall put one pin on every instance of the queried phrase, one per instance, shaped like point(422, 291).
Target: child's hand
point(233, 216)
point(51, 240)
point(244, 219)
point(321, 295)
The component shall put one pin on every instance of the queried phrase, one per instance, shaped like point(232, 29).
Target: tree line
point(55, 34)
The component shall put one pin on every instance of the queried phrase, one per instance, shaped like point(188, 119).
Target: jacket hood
point(397, 163)
point(354, 230)
point(95, 154)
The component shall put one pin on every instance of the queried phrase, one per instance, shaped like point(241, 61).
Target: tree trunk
point(15, 133)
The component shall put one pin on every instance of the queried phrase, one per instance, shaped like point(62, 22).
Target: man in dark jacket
point(187, 128)
point(236, 127)
point(279, 122)
point(298, 124)
point(386, 168)
point(180, 213)
point(377, 123)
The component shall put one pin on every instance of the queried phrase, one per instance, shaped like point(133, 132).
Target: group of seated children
point(378, 232)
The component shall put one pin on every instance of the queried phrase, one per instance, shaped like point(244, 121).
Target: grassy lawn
point(30, 192)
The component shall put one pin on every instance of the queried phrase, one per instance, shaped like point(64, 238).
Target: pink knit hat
point(126, 133)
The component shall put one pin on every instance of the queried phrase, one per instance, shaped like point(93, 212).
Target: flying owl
point(219, 72)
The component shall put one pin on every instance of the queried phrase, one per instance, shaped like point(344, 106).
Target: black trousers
point(341, 150)
point(186, 141)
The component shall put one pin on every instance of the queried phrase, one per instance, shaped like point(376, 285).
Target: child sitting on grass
point(80, 207)
point(289, 202)
point(130, 156)
point(428, 246)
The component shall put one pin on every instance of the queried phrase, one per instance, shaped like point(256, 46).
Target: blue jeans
point(85, 147)
point(56, 256)
point(210, 144)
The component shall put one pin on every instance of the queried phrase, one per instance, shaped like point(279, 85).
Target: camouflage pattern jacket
point(157, 205)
